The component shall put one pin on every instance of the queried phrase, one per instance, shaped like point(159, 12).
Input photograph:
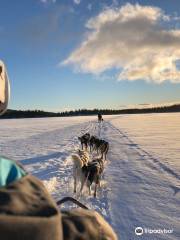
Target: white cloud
point(77, 1)
point(132, 39)
point(149, 105)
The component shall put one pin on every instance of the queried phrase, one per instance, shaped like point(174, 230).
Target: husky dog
point(87, 172)
point(80, 159)
point(103, 148)
point(84, 140)
point(99, 145)
point(92, 173)
point(92, 141)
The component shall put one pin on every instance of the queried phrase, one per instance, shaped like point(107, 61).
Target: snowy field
point(141, 182)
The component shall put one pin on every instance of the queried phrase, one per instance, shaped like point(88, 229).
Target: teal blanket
point(9, 171)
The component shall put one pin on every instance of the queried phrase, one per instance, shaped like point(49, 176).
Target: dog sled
point(71, 199)
point(100, 118)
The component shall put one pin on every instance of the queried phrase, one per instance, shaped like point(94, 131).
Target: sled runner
point(71, 199)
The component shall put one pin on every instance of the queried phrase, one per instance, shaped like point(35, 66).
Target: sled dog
point(92, 141)
point(80, 159)
point(84, 140)
point(99, 145)
point(103, 148)
point(92, 174)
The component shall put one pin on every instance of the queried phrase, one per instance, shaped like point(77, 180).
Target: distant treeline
point(85, 112)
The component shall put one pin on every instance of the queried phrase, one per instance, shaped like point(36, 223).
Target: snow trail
point(139, 189)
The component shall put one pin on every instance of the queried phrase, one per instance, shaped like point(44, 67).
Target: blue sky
point(55, 64)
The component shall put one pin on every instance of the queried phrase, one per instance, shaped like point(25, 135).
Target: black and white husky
point(92, 173)
point(87, 172)
point(101, 146)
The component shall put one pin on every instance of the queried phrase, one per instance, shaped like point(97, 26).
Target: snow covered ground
point(141, 182)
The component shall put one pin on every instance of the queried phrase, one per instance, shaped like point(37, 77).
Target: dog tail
point(77, 160)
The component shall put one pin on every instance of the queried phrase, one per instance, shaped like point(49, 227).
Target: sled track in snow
point(140, 186)
point(152, 161)
point(136, 187)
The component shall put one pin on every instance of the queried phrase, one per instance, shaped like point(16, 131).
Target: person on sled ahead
point(28, 212)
